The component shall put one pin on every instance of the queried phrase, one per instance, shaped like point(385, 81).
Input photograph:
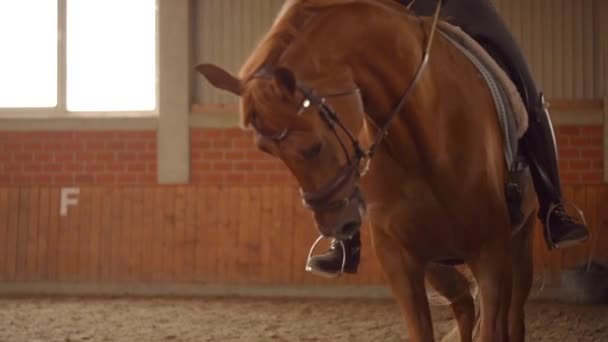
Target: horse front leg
point(454, 287)
point(523, 273)
point(406, 280)
point(492, 269)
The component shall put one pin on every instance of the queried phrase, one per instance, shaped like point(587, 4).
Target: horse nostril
point(349, 229)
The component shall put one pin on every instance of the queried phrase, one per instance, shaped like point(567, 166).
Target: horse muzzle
point(342, 218)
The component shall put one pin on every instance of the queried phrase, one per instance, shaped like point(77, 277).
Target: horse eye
point(312, 151)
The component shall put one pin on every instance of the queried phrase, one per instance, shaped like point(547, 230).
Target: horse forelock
point(258, 98)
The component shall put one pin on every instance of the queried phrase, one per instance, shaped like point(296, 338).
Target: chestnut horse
point(334, 77)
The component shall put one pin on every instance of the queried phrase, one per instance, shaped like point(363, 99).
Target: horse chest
point(412, 200)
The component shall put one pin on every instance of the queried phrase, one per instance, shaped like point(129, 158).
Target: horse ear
point(221, 78)
point(285, 80)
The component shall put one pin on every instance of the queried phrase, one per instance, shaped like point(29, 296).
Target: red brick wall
point(218, 156)
point(581, 154)
point(229, 156)
point(77, 158)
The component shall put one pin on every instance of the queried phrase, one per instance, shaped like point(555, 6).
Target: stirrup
point(326, 274)
point(581, 217)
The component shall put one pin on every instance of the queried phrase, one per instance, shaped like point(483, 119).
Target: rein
point(383, 131)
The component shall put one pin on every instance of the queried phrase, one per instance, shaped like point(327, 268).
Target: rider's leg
point(480, 19)
point(540, 148)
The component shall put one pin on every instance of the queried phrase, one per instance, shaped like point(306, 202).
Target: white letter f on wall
point(66, 200)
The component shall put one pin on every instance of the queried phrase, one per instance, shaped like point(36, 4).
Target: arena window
point(69, 58)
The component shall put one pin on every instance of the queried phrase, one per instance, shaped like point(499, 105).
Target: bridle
point(318, 200)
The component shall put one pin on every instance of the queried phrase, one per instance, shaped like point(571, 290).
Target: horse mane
point(286, 28)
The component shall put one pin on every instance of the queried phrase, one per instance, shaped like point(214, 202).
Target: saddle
point(510, 108)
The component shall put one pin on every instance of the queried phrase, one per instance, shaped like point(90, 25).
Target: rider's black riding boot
point(330, 262)
point(539, 146)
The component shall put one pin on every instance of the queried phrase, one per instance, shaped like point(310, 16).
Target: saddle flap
point(512, 113)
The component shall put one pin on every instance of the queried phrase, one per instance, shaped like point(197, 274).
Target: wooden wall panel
point(3, 232)
point(206, 234)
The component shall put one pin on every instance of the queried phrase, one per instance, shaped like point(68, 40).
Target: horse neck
point(445, 134)
point(378, 51)
point(380, 54)
point(367, 45)
point(385, 70)
point(432, 133)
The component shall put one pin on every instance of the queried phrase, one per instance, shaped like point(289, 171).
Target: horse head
point(313, 131)
point(300, 97)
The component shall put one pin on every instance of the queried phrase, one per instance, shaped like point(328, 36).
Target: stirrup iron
point(581, 217)
point(325, 274)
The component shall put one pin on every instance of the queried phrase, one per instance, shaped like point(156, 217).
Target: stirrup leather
point(514, 191)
